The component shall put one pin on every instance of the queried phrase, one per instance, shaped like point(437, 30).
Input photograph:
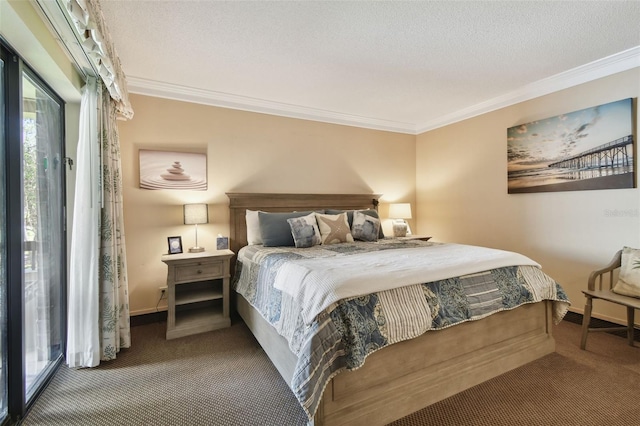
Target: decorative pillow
point(365, 227)
point(253, 227)
point(334, 228)
point(305, 231)
point(629, 279)
point(275, 230)
point(370, 212)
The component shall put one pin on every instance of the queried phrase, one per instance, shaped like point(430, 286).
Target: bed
point(403, 377)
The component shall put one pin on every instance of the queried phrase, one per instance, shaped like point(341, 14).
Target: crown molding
point(158, 89)
point(604, 67)
point(619, 62)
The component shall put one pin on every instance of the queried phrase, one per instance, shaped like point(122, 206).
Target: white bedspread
point(316, 284)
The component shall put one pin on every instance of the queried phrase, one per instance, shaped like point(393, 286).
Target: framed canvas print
point(175, 245)
point(587, 149)
point(173, 170)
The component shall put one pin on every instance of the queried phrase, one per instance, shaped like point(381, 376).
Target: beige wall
point(461, 191)
point(456, 174)
point(247, 152)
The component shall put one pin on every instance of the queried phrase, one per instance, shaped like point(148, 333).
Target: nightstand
point(197, 292)
point(415, 237)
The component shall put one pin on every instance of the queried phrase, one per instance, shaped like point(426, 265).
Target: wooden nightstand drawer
point(200, 270)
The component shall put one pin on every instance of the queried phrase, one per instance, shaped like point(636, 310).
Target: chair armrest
point(614, 264)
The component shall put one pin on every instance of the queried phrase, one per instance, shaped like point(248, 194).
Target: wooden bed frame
point(407, 376)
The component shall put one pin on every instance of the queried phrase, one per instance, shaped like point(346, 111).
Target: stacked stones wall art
point(173, 170)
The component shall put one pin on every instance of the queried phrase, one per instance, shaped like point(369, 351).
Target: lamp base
point(196, 249)
point(399, 228)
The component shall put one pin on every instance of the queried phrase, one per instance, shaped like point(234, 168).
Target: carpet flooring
point(224, 378)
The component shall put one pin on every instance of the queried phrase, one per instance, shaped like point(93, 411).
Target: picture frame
point(588, 149)
point(172, 170)
point(175, 245)
point(222, 243)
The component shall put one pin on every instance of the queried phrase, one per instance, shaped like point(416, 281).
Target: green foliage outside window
point(30, 184)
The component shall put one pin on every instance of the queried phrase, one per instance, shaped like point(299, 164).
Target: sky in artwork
point(539, 143)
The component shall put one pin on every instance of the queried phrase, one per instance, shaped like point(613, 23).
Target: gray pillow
point(305, 231)
point(370, 212)
point(275, 230)
point(365, 227)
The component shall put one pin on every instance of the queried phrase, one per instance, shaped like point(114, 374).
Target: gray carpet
point(216, 378)
point(224, 378)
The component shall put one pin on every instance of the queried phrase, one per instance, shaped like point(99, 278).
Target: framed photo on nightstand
point(222, 243)
point(175, 245)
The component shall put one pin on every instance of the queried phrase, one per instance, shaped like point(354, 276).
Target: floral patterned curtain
point(114, 291)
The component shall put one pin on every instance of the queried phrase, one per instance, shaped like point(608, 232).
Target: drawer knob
point(199, 271)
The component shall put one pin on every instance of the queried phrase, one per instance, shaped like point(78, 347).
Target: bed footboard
point(408, 376)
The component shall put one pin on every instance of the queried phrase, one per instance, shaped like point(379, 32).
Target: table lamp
point(399, 212)
point(195, 214)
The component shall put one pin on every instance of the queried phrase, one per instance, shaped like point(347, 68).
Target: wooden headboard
point(239, 203)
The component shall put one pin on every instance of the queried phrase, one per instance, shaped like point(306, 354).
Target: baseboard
point(576, 318)
point(144, 319)
point(161, 316)
point(572, 317)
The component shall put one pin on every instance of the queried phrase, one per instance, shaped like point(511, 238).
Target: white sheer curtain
point(83, 334)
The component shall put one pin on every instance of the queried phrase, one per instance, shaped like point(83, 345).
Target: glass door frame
point(3, 229)
point(17, 402)
point(16, 397)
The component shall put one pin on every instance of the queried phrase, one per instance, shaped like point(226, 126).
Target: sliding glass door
point(43, 203)
point(32, 236)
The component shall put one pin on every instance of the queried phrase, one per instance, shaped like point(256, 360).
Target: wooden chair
point(592, 292)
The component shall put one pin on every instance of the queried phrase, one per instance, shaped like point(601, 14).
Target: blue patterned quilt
point(343, 335)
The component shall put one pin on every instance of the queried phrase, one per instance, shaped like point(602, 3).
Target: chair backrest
point(596, 276)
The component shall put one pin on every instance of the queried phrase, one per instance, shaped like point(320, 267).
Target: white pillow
point(253, 227)
point(629, 279)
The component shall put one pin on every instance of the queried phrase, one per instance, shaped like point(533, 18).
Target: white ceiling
point(400, 66)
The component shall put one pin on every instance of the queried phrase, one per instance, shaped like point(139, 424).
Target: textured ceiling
point(405, 64)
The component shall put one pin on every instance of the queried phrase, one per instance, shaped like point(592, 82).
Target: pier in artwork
point(611, 154)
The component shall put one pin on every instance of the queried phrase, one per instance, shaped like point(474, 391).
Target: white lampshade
point(196, 214)
point(400, 211)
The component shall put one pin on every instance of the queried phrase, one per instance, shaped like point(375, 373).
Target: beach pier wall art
point(589, 149)
point(173, 170)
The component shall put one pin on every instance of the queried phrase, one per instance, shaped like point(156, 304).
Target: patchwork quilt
point(342, 335)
